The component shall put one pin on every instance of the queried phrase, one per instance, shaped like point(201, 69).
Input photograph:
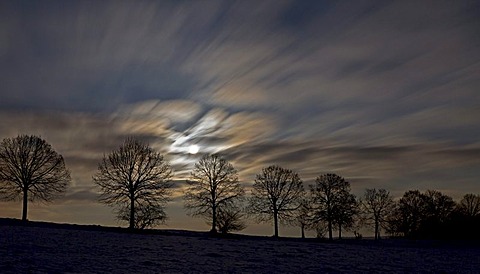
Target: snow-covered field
point(25, 249)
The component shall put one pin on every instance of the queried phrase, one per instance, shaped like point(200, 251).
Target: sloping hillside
point(57, 248)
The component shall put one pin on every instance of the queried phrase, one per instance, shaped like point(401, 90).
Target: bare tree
point(213, 185)
point(134, 178)
point(303, 216)
point(465, 221)
point(321, 229)
point(328, 194)
point(146, 215)
point(377, 205)
point(438, 206)
point(31, 169)
point(230, 218)
point(276, 194)
point(470, 205)
point(411, 210)
point(346, 212)
point(423, 215)
point(393, 221)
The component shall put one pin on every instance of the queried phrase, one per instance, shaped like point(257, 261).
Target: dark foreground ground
point(53, 248)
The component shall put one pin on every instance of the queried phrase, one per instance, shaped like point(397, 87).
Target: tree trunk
point(132, 213)
point(330, 236)
point(340, 232)
point(377, 236)
point(25, 204)
point(214, 219)
point(303, 231)
point(275, 221)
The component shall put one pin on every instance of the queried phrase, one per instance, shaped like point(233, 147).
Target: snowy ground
point(25, 249)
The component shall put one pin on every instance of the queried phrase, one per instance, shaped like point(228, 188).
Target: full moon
point(193, 149)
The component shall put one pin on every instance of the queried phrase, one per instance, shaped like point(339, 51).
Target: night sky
point(383, 93)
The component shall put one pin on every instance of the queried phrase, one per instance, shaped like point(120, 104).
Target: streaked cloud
point(383, 93)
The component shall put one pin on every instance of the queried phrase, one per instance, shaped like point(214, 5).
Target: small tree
point(213, 185)
point(135, 179)
point(439, 210)
point(346, 212)
point(229, 219)
point(328, 194)
point(411, 209)
point(377, 205)
point(470, 205)
point(303, 217)
point(276, 195)
point(31, 169)
point(438, 206)
point(146, 215)
point(321, 228)
point(393, 221)
point(465, 223)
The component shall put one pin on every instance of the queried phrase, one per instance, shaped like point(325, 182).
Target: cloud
point(356, 67)
point(397, 168)
point(82, 195)
point(176, 111)
point(383, 93)
point(251, 140)
point(277, 57)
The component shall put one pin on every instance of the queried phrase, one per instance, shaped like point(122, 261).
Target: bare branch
point(376, 206)
point(276, 194)
point(31, 170)
point(213, 186)
point(136, 178)
point(332, 202)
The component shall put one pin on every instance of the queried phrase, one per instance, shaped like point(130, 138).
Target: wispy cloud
point(384, 93)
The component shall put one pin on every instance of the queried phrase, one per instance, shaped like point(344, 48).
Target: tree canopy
point(213, 187)
point(32, 170)
point(136, 180)
point(276, 194)
point(377, 204)
point(332, 201)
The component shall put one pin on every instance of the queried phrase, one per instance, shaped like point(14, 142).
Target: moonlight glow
point(193, 149)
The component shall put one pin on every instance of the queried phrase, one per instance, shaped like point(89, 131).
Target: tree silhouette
point(377, 205)
point(411, 210)
point(31, 169)
point(275, 194)
point(393, 221)
point(329, 193)
point(437, 205)
point(135, 179)
point(470, 205)
point(213, 185)
point(438, 211)
point(423, 215)
point(321, 228)
point(303, 217)
point(146, 215)
point(230, 218)
point(346, 212)
point(465, 221)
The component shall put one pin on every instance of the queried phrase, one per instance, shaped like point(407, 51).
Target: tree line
point(136, 181)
